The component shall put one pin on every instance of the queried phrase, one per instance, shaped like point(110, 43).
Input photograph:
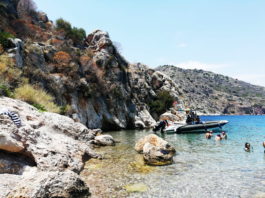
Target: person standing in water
point(208, 134)
point(223, 135)
point(263, 146)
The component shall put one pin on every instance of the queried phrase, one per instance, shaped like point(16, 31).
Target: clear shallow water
point(202, 168)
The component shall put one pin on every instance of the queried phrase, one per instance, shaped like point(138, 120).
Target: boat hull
point(196, 128)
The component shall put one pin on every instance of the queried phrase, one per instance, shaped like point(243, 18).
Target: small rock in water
point(140, 187)
point(104, 140)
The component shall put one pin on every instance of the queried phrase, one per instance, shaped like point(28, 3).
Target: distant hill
point(212, 93)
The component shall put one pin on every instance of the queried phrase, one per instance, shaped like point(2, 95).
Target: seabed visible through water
point(202, 168)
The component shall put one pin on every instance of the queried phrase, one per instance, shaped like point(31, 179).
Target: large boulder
point(49, 147)
point(156, 151)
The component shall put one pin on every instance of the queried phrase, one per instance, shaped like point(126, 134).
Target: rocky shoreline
point(44, 157)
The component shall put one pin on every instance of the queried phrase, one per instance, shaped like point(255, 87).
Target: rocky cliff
point(211, 93)
point(101, 87)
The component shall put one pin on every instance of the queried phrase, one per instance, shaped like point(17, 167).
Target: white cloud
point(182, 45)
point(199, 65)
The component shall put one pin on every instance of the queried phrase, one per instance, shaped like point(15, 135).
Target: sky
point(222, 36)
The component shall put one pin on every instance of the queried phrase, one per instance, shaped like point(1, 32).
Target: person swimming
point(208, 134)
point(223, 135)
point(263, 146)
point(218, 137)
point(247, 147)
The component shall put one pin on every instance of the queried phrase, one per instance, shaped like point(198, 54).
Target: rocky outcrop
point(156, 151)
point(104, 91)
point(45, 154)
point(210, 93)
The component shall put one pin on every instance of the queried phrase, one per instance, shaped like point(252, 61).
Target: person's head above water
point(247, 145)
point(263, 144)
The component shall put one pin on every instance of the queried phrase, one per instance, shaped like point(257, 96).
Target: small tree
point(77, 35)
point(61, 24)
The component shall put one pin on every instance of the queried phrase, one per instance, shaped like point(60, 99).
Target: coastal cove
point(201, 168)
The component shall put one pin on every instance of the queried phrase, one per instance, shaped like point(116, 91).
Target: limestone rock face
point(46, 152)
point(156, 151)
point(144, 120)
point(15, 51)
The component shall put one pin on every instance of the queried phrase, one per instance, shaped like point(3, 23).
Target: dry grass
point(36, 97)
point(8, 71)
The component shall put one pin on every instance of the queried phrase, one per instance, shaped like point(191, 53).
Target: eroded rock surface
point(46, 153)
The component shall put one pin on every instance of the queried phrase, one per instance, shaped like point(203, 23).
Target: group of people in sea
point(223, 136)
point(218, 137)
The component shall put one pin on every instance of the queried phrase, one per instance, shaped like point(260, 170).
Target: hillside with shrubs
point(56, 67)
point(211, 93)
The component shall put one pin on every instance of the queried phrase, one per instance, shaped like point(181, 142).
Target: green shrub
point(161, 104)
point(39, 107)
point(76, 34)
point(4, 36)
point(5, 91)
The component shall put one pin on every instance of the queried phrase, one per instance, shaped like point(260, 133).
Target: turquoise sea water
point(202, 168)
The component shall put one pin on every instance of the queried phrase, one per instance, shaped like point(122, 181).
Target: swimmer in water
point(223, 135)
point(247, 147)
point(218, 137)
point(208, 134)
point(263, 146)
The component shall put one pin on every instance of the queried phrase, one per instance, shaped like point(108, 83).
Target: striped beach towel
point(13, 116)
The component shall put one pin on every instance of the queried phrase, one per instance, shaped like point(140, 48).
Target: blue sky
point(223, 36)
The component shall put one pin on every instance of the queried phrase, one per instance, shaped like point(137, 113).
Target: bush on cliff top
point(36, 97)
point(76, 34)
point(161, 104)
